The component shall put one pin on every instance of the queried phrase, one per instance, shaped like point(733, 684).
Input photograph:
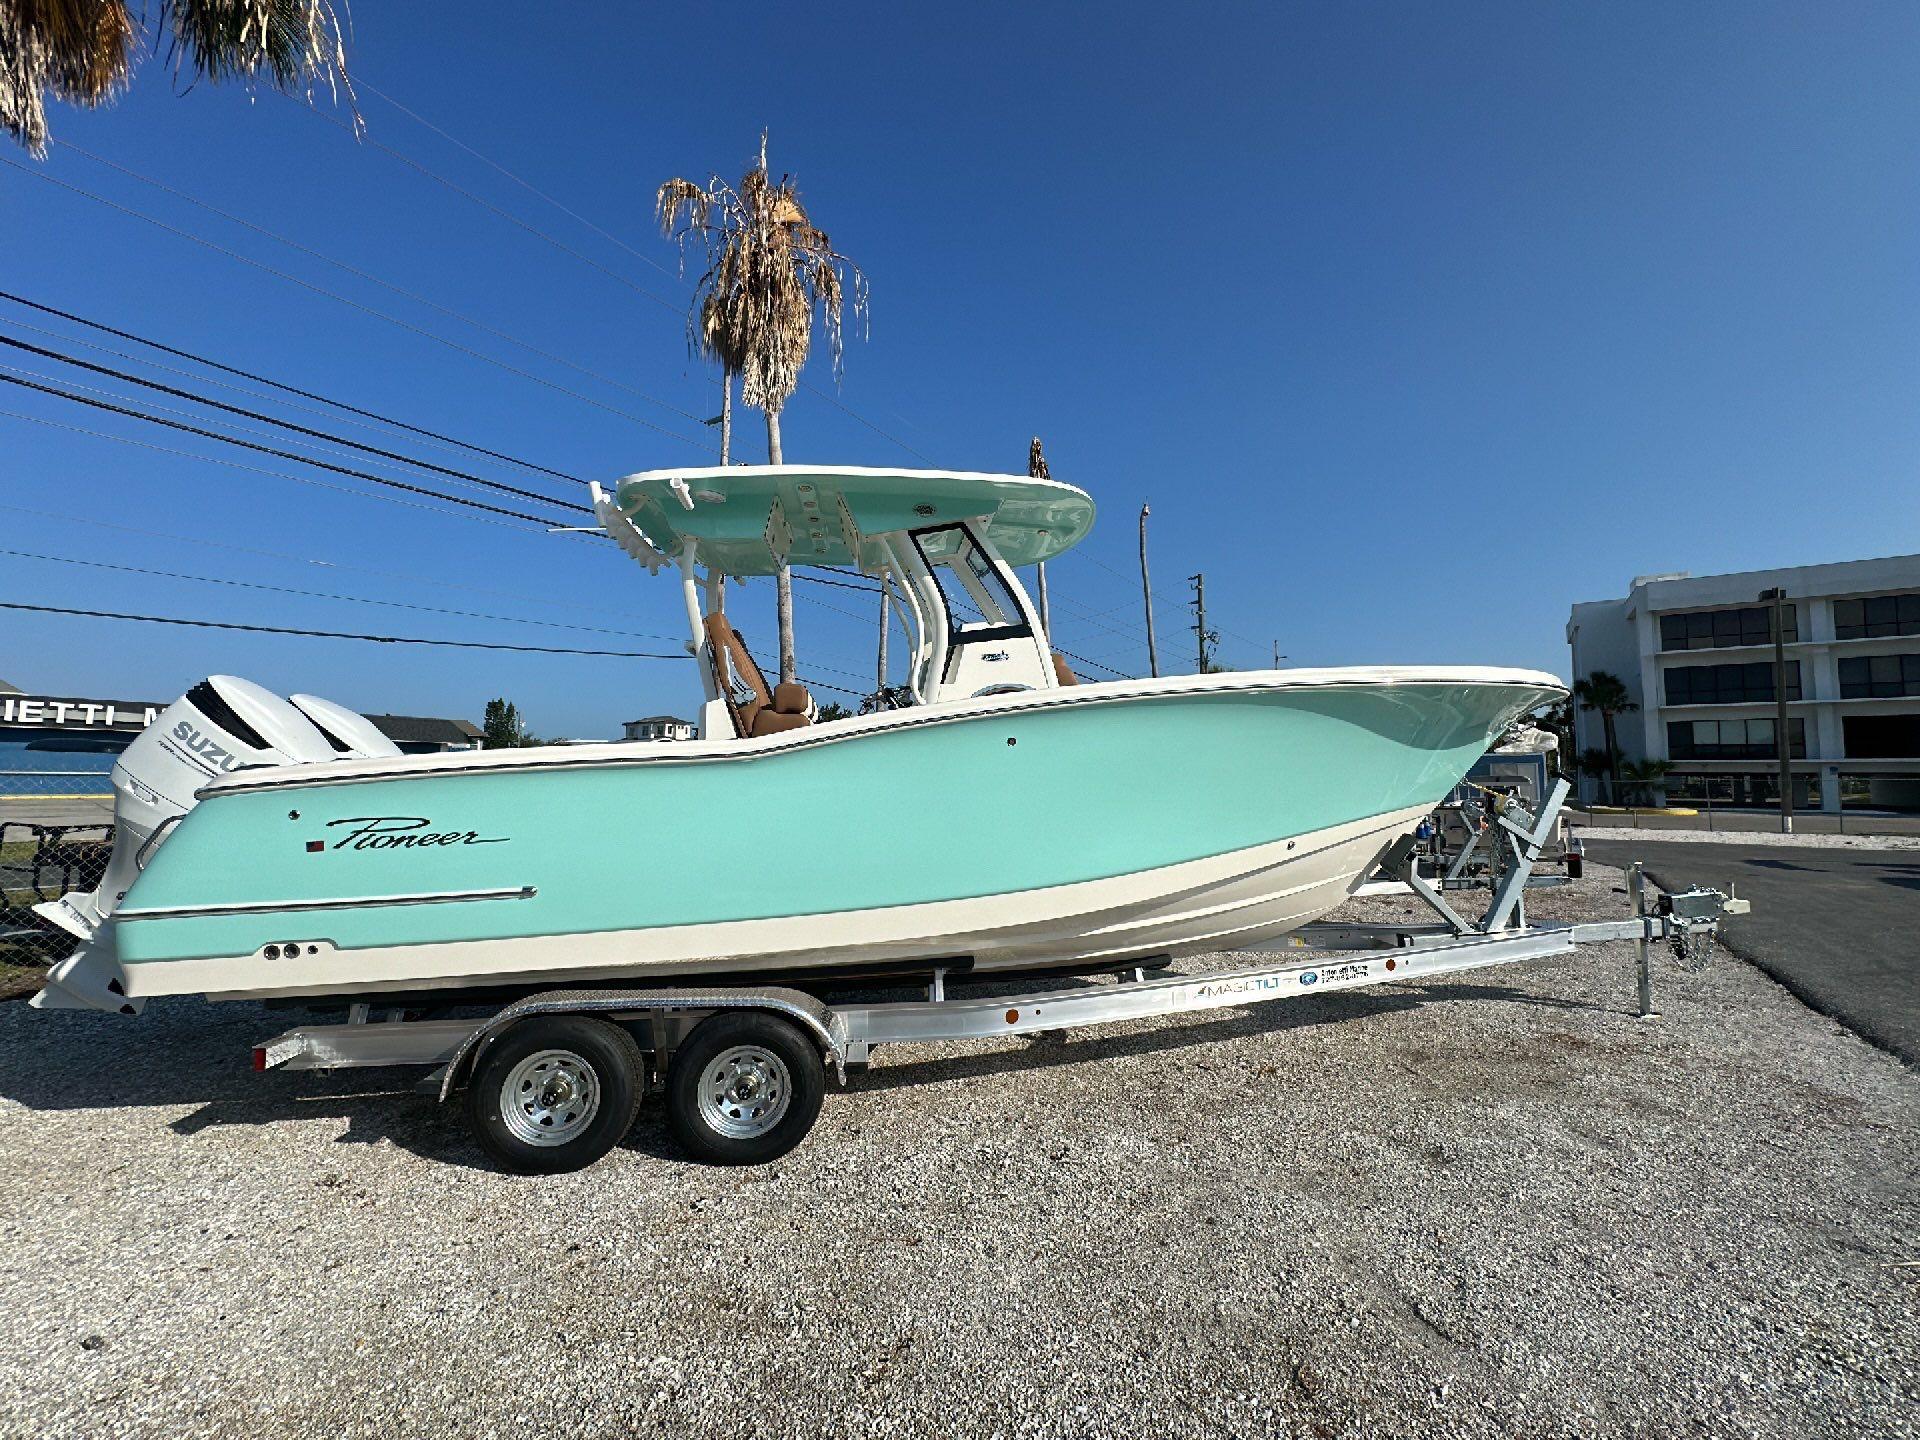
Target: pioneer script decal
point(404, 832)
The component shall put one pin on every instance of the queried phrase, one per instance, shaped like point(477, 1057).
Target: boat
point(1006, 815)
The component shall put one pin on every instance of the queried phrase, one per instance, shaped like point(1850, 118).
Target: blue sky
point(1415, 324)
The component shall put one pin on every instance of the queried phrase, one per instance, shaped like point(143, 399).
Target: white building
point(1696, 654)
point(658, 727)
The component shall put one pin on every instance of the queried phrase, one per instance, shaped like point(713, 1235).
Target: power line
point(335, 295)
point(337, 634)
point(372, 279)
point(328, 595)
point(264, 380)
point(493, 209)
point(270, 450)
point(275, 474)
point(835, 400)
point(1120, 674)
point(198, 399)
point(409, 576)
point(1178, 602)
point(201, 379)
point(837, 584)
point(224, 424)
point(679, 310)
point(522, 183)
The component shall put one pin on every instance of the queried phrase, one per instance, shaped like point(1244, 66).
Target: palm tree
point(769, 271)
point(1643, 777)
point(83, 51)
point(1606, 693)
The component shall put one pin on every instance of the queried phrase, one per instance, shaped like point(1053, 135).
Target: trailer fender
point(810, 1014)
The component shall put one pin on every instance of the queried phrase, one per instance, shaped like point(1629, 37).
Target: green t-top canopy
point(742, 517)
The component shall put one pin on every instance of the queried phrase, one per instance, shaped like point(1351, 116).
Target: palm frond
point(770, 272)
point(292, 41)
point(81, 50)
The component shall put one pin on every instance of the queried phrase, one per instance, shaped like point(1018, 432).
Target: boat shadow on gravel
point(187, 1053)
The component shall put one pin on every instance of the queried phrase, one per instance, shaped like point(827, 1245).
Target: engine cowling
point(221, 725)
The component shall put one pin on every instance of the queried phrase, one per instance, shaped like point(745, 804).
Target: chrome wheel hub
point(745, 1092)
point(550, 1097)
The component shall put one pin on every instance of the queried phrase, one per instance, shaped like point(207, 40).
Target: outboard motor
point(353, 736)
point(221, 725)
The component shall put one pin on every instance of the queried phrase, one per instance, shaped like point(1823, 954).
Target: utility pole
point(1206, 637)
point(1777, 624)
point(1277, 656)
point(1146, 592)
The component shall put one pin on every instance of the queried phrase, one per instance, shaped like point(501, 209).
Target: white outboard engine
point(221, 725)
point(352, 735)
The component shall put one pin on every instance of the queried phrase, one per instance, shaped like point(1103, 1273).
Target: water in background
point(44, 772)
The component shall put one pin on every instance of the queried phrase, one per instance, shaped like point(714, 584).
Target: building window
point(1877, 677)
point(1876, 616)
point(1881, 737)
point(1728, 684)
point(1719, 629)
point(1732, 739)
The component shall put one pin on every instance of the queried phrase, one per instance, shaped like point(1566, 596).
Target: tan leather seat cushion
point(792, 699)
point(771, 722)
point(1062, 674)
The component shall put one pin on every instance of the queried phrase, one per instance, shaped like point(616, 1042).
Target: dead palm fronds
point(768, 273)
point(84, 51)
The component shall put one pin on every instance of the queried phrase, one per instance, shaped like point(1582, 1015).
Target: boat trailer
point(553, 1080)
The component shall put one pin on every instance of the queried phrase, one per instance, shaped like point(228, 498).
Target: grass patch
point(22, 968)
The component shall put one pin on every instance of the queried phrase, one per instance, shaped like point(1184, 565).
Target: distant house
point(6, 689)
point(658, 727)
point(427, 734)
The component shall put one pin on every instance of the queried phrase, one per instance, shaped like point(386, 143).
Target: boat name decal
point(404, 832)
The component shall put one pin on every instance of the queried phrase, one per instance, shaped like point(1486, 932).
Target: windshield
point(980, 604)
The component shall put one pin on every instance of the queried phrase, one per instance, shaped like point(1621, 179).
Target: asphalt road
point(1839, 928)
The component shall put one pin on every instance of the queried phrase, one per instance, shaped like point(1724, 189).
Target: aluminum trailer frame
point(1363, 955)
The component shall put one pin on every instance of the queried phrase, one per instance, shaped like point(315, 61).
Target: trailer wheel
point(744, 1088)
point(554, 1093)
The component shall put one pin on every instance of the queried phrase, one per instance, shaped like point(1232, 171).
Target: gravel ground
point(1496, 1205)
point(1751, 837)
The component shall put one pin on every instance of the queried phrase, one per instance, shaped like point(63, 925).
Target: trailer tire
point(744, 1088)
point(554, 1093)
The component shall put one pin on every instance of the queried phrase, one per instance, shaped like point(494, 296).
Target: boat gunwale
point(616, 753)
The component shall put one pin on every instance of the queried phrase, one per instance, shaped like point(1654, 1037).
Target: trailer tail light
point(259, 1057)
point(1013, 1017)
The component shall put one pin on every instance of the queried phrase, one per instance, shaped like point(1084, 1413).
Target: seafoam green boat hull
point(924, 811)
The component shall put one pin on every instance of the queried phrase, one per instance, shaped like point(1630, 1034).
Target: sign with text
point(51, 712)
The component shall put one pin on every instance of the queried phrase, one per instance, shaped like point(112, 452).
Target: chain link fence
point(56, 833)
